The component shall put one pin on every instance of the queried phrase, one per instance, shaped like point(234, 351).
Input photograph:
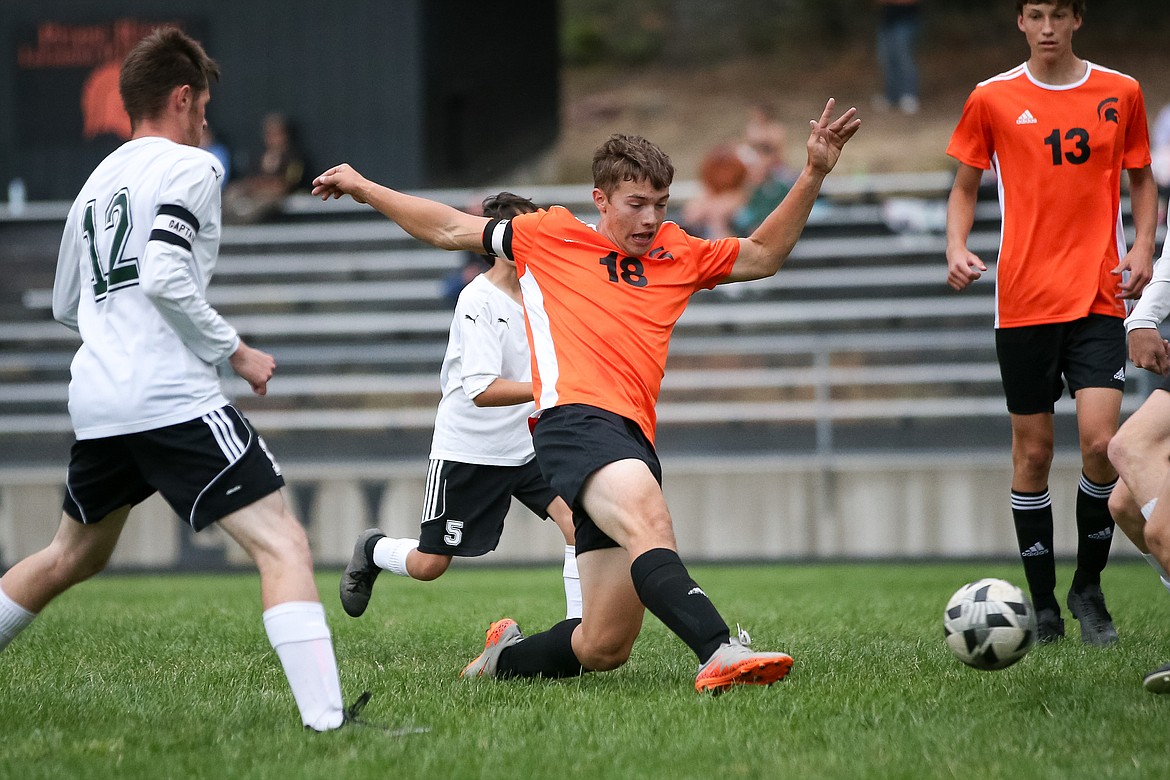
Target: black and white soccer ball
point(989, 624)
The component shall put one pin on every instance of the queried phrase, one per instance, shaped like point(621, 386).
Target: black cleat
point(357, 581)
point(1088, 606)
point(1049, 626)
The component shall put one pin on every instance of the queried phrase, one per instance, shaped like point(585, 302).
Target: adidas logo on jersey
point(1120, 375)
point(1026, 118)
point(1034, 551)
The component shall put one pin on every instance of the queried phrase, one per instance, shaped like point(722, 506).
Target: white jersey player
point(137, 253)
point(1140, 451)
point(481, 452)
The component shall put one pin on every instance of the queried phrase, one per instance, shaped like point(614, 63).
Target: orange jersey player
point(1058, 131)
point(1058, 154)
point(600, 320)
point(600, 304)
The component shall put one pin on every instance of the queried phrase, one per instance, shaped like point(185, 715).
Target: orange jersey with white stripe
point(1058, 152)
point(599, 322)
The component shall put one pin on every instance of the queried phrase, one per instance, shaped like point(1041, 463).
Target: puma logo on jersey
point(469, 317)
point(501, 319)
point(659, 253)
point(1026, 118)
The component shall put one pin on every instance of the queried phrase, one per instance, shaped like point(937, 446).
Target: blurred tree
point(681, 32)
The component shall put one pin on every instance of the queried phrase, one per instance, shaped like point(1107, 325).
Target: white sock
point(13, 619)
point(298, 632)
point(390, 554)
point(572, 583)
point(1148, 508)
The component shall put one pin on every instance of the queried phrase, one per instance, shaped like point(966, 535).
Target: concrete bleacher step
point(857, 332)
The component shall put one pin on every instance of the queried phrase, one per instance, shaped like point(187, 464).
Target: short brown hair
point(505, 205)
point(630, 158)
point(164, 59)
point(1077, 6)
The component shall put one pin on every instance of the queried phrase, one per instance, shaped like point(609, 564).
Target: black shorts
point(205, 468)
point(575, 440)
point(465, 504)
point(1089, 352)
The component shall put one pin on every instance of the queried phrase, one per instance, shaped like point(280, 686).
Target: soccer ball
point(989, 624)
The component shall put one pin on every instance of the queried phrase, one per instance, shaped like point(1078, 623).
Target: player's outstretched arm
point(764, 252)
point(963, 266)
point(429, 221)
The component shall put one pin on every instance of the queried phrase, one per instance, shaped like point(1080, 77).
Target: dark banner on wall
point(67, 79)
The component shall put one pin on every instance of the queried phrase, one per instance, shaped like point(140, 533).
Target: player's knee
point(1034, 459)
point(603, 653)
point(1118, 449)
point(604, 659)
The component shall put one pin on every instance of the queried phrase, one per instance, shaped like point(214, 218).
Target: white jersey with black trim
point(137, 254)
point(487, 341)
point(1154, 305)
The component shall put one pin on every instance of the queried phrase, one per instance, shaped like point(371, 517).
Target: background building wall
point(411, 91)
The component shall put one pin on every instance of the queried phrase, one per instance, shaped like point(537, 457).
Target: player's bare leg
point(293, 616)
point(1140, 451)
point(76, 553)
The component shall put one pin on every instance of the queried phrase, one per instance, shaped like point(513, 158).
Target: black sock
point(371, 543)
point(1032, 513)
point(1094, 531)
point(547, 654)
point(670, 594)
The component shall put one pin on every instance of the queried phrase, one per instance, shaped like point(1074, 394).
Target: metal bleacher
point(857, 344)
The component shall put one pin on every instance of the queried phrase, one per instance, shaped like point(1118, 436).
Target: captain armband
point(497, 238)
point(175, 225)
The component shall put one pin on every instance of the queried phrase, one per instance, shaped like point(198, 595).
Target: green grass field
point(171, 676)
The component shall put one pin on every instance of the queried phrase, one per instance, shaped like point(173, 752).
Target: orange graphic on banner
point(101, 104)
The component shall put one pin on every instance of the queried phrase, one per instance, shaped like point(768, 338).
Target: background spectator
point(281, 171)
point(897, 42)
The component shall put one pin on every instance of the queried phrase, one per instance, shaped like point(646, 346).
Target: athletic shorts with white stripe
point(205, 469)
point(466, 503)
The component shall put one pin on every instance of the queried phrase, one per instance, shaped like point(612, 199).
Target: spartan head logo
point(101, 104)
point(1107, 110)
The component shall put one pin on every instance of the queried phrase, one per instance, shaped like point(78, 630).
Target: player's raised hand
point(340, 180)
point(828, 136)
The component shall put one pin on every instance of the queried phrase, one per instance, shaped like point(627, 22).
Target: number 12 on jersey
point(117, 271)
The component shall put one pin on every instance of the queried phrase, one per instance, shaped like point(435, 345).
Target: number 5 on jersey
point(117, 272)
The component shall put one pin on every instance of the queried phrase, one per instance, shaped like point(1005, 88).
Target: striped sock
point(1032, 513)
point(1094, 531)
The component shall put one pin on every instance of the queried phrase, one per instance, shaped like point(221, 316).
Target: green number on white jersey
point(119, 272)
